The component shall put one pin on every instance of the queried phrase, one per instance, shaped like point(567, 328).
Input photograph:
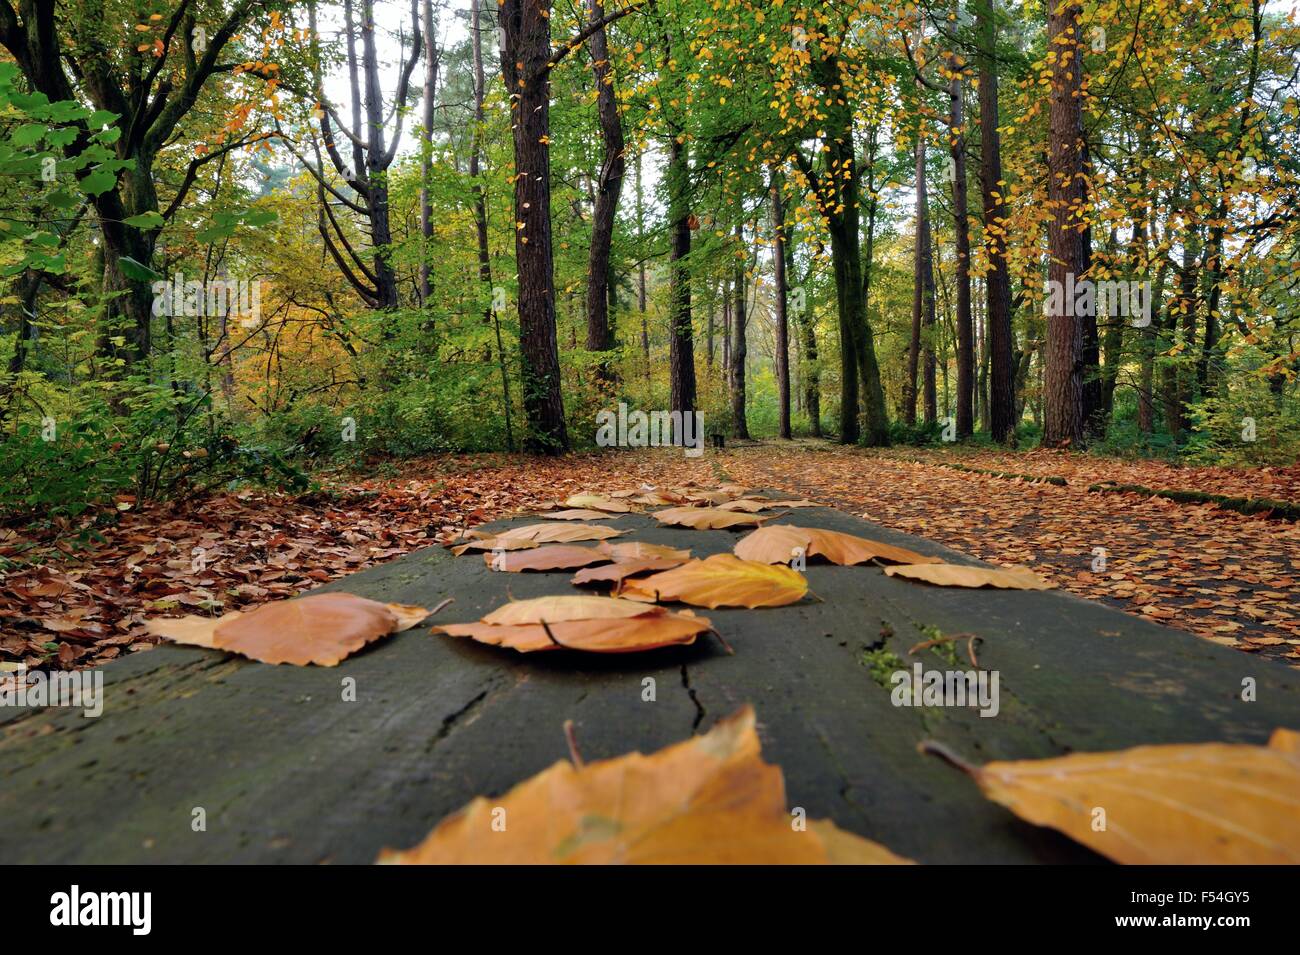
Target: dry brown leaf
point(550, 557)
point(564, 607)
point(623, 550)
point(781, 543)
point(958, 575)
point(579, 514)
point(709, 799)
point(657, 498)
point(711, 497)
point(558, 533)
point(318, 628)
point(704, 518)
point(721, 581)
point(1206, 803)
point(598, 502)
point(647, 631)
point(752, 505)
point(530, 535)
point(615, 572)
point(493, 543)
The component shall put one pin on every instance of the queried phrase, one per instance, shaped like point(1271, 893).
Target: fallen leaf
point(493, 543)
point(530, 535)
point(721, 581)
point(704, 518)
point(617, 571)
point(557, 533)
point(551, 557)
point(710, 799)
point(579, 514)
point(1285, 741)
point(561, 608)
point(622, 550)
point(597, 502)
point(318, 628)
point(957, 575)
point(646, 631)
point(752, 505)
point(1205, 804)
point(781, 543)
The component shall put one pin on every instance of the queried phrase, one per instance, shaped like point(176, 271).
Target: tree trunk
point(782, 317)
point(525, 63)
point(681, 348)
point(641, 290)
point(480, 212)
point(426, 147)
point(1063, 367)
point(608, 187)
point(381, 235)
point(997, 283)
point(812, 396)
point(739, 348)
point(965, 324)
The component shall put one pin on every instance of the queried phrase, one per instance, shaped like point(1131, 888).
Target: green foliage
point(1249, 424)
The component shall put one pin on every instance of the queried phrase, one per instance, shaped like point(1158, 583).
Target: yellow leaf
point(955, 575)
point(708, 800)
point(1207, 803)
point(721, 581)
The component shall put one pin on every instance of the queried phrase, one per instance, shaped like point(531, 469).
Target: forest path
point(287, 770)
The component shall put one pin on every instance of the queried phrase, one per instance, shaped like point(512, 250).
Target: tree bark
point(782, 316)
point(681, 347)
point(965, 324)
point(525, 63)
point(739, 348)
point(610, 184)
point(997, 283)
point(490, 314)
point(1063, 368)
point(426, 147)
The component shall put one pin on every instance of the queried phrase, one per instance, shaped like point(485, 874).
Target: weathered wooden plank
point(288, 771)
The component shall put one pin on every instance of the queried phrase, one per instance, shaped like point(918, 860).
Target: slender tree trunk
point(480, 212)
point(726, 328)
point(381, 234)
point(426, 147)
point(997, 283)
point(922, 298)
point(961, 226)
point(1063, 368)
point(610, 185)
point(525, 63)
point(641, 289)
point(739, 348)
point(782, 316)
point(681, 354)
point(809, 374)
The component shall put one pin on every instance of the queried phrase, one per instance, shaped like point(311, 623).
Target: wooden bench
point(287, 771)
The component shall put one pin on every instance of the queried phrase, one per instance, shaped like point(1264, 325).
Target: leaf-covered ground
point(1225, 576)
point(78, 595)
